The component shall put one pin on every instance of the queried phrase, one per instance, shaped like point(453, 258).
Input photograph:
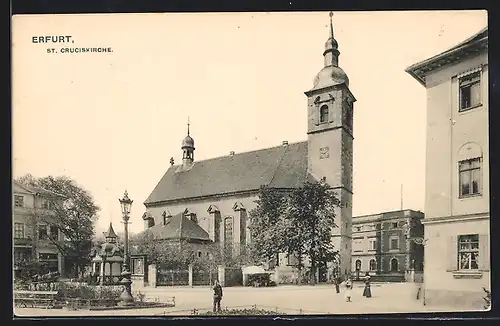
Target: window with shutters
point(470, 91)
point(469, 255)
point(468, 252)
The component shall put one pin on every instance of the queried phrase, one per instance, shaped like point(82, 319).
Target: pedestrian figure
point(336, 281)
point(367, 292)
point(348, 290)
point(217, 296)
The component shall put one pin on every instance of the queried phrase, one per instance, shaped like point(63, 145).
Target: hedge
point(242, 312)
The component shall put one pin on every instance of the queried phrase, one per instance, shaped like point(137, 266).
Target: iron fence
point(204, 277)
point(233, 276)
point(172, 278)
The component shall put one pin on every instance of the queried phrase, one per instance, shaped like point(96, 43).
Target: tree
point(27, 269)
point(72, 211)
point(266, 224)
point(297, 222)
point(311, 216)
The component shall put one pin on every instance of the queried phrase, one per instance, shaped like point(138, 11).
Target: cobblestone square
point(319, 299)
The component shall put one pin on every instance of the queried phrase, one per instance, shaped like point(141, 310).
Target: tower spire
point(331, 25)
point(331, 53)
point(188, 125)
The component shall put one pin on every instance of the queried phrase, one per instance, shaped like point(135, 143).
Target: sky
point(112, 121)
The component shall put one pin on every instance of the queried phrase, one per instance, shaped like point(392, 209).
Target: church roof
point(178, 227)
point(277, 167)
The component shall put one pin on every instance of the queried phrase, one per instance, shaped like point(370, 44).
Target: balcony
point(23, 242)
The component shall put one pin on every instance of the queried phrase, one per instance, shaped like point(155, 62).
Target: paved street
point(320, 299)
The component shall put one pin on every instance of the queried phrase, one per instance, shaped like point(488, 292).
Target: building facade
point(382, 245)
point(32, 234)
point(220, 192)
point(457, 213)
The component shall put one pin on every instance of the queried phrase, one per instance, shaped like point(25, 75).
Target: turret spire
point(111, 235)
point(331, 53)
point(331, 25)
point(187, 149)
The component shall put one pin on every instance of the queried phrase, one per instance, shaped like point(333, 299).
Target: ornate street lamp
point(126, 296)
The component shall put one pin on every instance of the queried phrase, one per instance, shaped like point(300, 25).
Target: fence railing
point(204, 277)
point(274, 309)
point(172, 278)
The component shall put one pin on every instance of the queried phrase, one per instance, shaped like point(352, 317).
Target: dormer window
point(323, 114)
point(166, 217)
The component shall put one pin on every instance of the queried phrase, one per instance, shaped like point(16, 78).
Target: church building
point(219, 193)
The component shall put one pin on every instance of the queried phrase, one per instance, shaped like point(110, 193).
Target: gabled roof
point(472, 45)
point(178, 227)
point(38, 190)
point(278, 167)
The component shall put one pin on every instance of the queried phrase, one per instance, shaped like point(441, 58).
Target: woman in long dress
point(367, 292)
point(348, 290)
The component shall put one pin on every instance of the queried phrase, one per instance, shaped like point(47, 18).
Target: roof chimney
point(231, 153)
point(285, 143)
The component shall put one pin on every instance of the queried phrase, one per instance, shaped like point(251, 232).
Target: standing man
point(337, 281)
point(217, 296)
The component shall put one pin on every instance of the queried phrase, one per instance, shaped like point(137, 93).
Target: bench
point(46, 299)
point(76, 303)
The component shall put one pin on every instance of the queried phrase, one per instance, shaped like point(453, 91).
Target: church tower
point(187, 151)
point(330, 141)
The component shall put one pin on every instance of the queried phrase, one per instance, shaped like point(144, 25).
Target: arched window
point(358, 264)
point(373, 265)
point(228, 235)
point(394, 265)
point(469, 169)
point(323, 114)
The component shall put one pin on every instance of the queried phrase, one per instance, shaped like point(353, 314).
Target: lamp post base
point(126, 298)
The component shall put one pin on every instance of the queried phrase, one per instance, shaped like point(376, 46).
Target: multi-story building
point(382, 244)
point(457, 200)
point(31, 232)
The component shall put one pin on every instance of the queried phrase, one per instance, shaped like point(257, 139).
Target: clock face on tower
point(324, 152)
